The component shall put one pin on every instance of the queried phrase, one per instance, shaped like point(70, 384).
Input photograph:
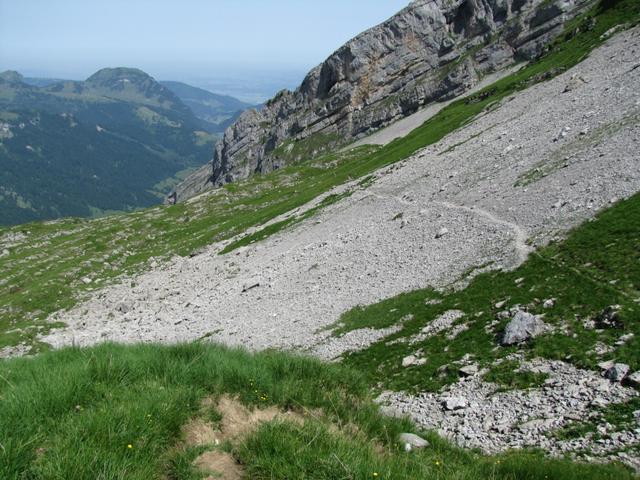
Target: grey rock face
point(521, 328)
point(431, 50)
point(617, 372)
point(199, 181)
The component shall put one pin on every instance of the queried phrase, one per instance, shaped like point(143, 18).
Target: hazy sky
point(179, 38)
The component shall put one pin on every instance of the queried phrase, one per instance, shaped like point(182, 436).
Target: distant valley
point(117, 141)
point(219, 111)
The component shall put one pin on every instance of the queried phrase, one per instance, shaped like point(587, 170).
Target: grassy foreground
point(48, 266)
point(116, 412)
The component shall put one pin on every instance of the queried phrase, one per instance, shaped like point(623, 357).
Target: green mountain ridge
point(79, 148)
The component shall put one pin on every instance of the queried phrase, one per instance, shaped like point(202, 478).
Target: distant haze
point(253, 46)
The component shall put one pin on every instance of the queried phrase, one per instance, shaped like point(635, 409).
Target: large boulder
point(522, 327)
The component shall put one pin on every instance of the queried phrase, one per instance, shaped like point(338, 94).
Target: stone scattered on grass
point(469, 370)
point(624, 339)
point(412, 360)
point(609, 318)
point(606, 365)
point(411, 441)
point(522, 327)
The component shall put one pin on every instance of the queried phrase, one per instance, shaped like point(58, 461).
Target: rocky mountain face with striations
point(430, 51)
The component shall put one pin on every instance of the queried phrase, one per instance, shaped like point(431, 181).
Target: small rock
point(412, 441)
point(250, 285)
point(574, 82)
point(413, 360)
point(601, 349)
point(5, 253)
point(617, 373)
point(123, 306)
point(609, 318)
point(599, 402)
point(636, 414)
point(524, 326)
point(501, 304)
point(469, 370)
point(624, 339)
point(454, 403)
point(86, 280)
point(605, 365)
point(550, 303)
point(442, 232)
point(408, 361)
point(634, 379)
point(565, 131)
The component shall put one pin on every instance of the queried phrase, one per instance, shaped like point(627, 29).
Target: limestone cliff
point(432, 50)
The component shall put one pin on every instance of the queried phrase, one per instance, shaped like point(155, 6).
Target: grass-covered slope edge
point(118, 412)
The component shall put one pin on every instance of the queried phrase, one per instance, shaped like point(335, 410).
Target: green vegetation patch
point(617, 416)
point(509, 375)
point(116, 412)
point(292, 151)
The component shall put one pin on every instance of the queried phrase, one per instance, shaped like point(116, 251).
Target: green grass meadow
point(116, 412)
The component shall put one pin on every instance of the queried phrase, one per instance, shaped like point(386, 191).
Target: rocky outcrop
point(522, 327)
point(432, 50)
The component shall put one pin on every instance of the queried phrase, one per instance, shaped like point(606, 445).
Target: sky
point(180, 39)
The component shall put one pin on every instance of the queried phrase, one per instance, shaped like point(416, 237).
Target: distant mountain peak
point(131, 84)
point(119, 72)
point(114, 76)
